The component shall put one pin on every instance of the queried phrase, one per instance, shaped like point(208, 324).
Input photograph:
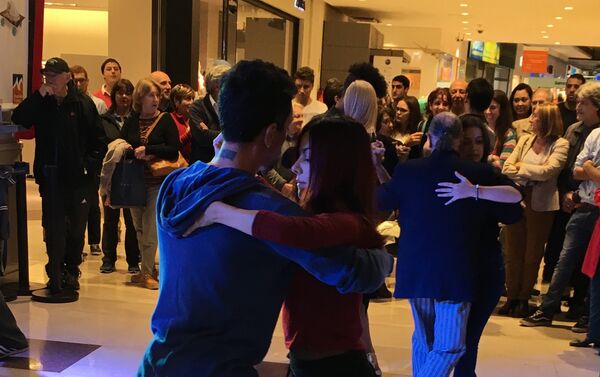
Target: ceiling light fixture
point(467, 33)
point(464, 5)
point(549, 25)
point(388, 24)
point(543, 31)
point(465, 22)
point(556, 43)
point(558, 18)
point(464, 14)
point(569, 8)
point(545, 37)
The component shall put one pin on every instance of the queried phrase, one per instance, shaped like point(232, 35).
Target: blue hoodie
point(221, 290)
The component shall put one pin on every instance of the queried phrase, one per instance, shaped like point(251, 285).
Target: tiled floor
point(115, 317)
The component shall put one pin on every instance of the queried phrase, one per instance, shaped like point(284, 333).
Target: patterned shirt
point(590, 151)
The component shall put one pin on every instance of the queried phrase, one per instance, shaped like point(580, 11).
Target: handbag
point(159, 167)
point(128, 188)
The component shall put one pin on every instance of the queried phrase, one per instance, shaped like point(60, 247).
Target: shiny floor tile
point(116, 316)
point(48, 355)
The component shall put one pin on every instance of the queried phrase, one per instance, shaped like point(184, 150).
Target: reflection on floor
point(116, 316)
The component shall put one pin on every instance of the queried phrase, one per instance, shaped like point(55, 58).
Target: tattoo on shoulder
point(227, 154)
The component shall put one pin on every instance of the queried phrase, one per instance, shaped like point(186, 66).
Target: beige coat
point(523, 127)
point(545, 192)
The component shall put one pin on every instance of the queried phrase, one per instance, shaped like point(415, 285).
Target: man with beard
point(164, 81)
point(567, 108)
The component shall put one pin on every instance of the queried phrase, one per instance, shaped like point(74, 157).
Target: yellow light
point(464, 5)
point(464, 14)
point(569, 8)
point(465, 22)
point(558, 18)
point(549, 25)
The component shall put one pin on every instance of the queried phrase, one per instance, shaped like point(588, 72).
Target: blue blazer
point(439, 250)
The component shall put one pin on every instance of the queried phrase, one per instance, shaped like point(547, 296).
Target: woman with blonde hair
point(360, 104)
point(152, 135)
point(535, 164)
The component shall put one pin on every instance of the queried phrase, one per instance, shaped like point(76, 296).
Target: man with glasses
point(81, 80)
point(69, 149)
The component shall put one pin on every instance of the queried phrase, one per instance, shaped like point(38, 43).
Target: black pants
point(65, 228)
point(110, 230)
point(349, 364)
point(93, 220)
point(10, 334)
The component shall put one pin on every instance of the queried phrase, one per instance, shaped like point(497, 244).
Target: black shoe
point(95, 249)
point(581, 327)
point(107, 267)
point(9, 351)
point(522, 310)
point(509, 307)
point(537, 319)
point(71, 281)
point(586, 343)
point(575, 311)
point(133, 269)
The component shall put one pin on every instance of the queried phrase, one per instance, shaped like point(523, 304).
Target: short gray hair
point(549, 96)
point(215, 73)
point(445, 128)
point(591, 91)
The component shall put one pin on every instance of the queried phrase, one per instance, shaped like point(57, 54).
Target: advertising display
point(488, 52)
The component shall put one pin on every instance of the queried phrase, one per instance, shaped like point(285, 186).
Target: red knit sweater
point(317, 319)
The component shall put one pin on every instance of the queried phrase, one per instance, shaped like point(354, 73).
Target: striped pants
point(438, 341)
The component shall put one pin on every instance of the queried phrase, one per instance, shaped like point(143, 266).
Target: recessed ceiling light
point(543, 31)
point(464, 5)
point(465, 22)
point(464, 14)
point(545, 37)
point(569, 8)
point(388, 24)
point(465, 28)
point(467, 33)
point(556, 43)
point(469, 39)
point(558, 18)
point(549, 25)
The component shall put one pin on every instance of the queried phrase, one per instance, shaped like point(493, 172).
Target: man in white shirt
point(304, 79)
point(111, 71)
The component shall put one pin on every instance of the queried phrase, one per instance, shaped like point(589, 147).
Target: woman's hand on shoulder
point(455, 191)
point(207, 218)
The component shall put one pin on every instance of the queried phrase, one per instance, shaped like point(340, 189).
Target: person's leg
point(538, 229)
point(54, 224)
point(132, 250)
point(77, 214)
point(93, 220)
point(109, 235)
point(11, 337)
point(348, 364)
point(149, 237)
point(487, 296)
point(594, 319)
point(514, 253)
point(555, 243)
point(423, 311)
point(578, 234)
point(448, 338)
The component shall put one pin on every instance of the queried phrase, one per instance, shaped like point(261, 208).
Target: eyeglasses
point(80, 81)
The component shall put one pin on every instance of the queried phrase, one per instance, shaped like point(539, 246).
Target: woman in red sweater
point(182, 96)
point(336, 182)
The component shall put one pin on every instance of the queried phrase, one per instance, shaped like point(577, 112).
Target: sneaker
point(537, 319)
point(95, 249)
point(133, 269)
point(9, 351)
point(107, 267)
point(581, 327)
point(373, 361)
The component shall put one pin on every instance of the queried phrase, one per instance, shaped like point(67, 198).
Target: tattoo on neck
point(227, 154)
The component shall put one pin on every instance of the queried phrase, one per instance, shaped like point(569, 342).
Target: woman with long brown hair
point(499, 118)
point(322, 327)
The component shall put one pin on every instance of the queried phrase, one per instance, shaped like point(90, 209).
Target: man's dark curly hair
point(366, 71)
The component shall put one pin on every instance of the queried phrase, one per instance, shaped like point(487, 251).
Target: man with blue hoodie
point(220, 290)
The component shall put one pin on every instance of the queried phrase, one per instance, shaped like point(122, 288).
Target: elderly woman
point(152, 135)
point(181, 97)
point(535, 164)
point(204, 120)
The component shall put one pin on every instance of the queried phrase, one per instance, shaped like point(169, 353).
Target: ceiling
point(516, 21)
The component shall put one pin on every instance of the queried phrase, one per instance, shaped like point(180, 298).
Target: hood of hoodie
point(186, 193)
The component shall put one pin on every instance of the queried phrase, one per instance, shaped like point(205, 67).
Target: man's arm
point(26, 114)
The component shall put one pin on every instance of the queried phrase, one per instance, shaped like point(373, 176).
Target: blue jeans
point(487, 295)
point(577, 237)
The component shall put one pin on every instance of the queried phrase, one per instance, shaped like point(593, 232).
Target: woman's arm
point(552, 166)
point(310, 232)
point(465, 189)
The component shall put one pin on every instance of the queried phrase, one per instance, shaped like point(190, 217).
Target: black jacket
point(163, 141)
point(111, 126)
point(68, 135)
point(203, 111)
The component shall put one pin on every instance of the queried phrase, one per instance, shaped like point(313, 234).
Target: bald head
point(540, 97)
point(165, 83)
point(458, 92)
